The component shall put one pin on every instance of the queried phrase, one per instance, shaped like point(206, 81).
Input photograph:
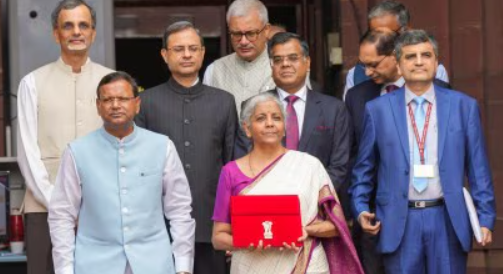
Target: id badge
point(423, 171)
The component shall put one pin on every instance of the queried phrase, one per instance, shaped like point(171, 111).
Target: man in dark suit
point(201, 121)
point(423, 140)
point(376, 56)
point(317, 124)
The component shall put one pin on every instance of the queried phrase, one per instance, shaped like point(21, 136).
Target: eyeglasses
point(372, 66)
point(182, 49)
point(120, 100)
point(250, 35)
point(292, 59)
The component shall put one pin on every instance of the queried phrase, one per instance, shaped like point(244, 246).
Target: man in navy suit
point(322, 124)
point(423, 140)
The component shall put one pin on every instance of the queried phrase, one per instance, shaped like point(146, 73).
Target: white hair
point(251, 104)
point(241, 8)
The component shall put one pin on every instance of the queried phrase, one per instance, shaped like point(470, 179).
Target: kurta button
point(126, 246)
point(121, 151)
point(186, 121)
point(187, 101)
point(125, 210)
point(123, 169)
point(187, 166)
point(124, 191)
point(187, 143)
point(79, 123)
point(126, 229)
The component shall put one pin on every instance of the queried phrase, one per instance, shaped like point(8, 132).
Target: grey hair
point(391, 8)
point(70, 5)
point(285, 37)
point(177, 27)
point(251, 104)
point(241, 8)
point(414, 37)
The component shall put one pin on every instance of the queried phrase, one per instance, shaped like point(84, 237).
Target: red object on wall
point(271, 218)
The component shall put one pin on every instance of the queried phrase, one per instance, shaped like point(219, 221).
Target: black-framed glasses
point(181, 49)
point(373, 65)
point(251, 35)
point(120, 100)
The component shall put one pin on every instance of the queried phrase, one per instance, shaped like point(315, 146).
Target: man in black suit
point(323, 126)
point(201, 121)
point(377, 57)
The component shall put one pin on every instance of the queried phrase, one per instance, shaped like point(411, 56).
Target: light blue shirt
point(434, 188)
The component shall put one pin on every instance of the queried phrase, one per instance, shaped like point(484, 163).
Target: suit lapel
point(397, 105)
point(311, 117)
point(443, 115)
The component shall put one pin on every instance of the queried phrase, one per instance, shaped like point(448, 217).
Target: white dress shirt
point(299, 105)
point(67, 198)
point(35, 174)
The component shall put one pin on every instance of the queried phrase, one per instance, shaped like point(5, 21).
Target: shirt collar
point(68, 68)
point(116, 141)
point(195, 89)
point(429, 95)
point(301, 93)
point(399, 83)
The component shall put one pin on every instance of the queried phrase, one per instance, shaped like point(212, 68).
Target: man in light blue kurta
point(116, 185)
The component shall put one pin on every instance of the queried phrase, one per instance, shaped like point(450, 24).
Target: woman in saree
point(270, 169)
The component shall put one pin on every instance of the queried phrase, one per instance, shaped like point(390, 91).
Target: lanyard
point(420, 141)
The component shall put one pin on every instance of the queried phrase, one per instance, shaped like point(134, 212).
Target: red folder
point(274, 219)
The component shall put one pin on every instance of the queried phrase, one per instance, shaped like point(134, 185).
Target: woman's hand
point(259, 247)
point(293, 247)
point(323, 229)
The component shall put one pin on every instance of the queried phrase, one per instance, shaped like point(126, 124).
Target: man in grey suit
point(201, 121)
point(316, 123)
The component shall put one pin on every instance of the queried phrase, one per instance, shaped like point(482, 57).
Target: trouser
point(365, 245)
point(429, 245)
point(207, 260)
point(38, 244)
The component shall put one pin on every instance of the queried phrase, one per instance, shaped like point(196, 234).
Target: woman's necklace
point(250, 164)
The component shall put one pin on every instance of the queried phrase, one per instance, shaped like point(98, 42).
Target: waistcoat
point(121, 216)
point(66, 110)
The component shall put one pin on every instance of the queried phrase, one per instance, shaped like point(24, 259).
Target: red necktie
point(292, 124)
point(391, 88)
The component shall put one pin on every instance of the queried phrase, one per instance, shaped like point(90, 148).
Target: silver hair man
point(391, 8)
point(69, 5)
point(414, 37)
point(241, 8)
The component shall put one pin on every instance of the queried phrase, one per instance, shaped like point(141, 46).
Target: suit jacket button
point(406, 172)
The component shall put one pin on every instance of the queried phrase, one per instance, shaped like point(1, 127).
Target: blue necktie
point(419, 184)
